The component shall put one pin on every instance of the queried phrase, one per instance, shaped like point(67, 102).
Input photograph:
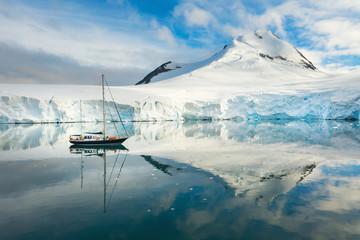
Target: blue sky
point(74, 41)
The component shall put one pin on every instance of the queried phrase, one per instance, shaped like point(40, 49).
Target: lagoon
point(183, 180)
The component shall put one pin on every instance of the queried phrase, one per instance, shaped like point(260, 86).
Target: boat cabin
point(89, 136)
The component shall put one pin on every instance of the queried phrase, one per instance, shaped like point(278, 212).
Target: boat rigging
point(99, 138)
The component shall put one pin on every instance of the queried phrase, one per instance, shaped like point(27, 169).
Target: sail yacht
point(97, 138)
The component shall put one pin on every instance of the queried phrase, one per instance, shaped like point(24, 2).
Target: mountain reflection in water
point(190, 180)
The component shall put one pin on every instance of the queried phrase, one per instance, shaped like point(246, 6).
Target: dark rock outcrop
point(305, 62)
point(162, 68)
point(258, 35)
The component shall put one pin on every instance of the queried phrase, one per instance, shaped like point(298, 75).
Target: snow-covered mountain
point(256, 76)
point(243, 53)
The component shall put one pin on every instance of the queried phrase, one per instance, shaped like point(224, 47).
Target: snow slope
point(256, 76)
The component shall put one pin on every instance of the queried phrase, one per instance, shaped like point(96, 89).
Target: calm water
point(200, 180)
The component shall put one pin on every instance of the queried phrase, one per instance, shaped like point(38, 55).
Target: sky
point(75, 41)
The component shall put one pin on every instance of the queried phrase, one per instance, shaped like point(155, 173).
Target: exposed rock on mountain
point(162, 68)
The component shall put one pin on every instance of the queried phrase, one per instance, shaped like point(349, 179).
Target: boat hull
point(98, 142)
point(95, 147)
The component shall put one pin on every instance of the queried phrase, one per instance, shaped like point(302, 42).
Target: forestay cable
point(116, 108)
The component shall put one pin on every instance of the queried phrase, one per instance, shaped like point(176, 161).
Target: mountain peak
point(269, 46)
point(256, 51)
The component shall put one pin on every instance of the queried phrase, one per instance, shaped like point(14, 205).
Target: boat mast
point(81, 126)
point(82, 166)
point(103, 93)
point(104, 157)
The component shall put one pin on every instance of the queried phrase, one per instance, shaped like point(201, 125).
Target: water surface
point(191, 180)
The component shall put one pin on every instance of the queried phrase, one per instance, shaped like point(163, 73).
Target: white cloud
point(89, 45)
point(332, 29)
point(19, 65)
point(128, 44)
point(337, 5)
point(163, 33)
point(194, 16)
point(197, 16)
point(341, 33)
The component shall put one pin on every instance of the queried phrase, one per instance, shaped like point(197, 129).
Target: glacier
point(256, 76)
point(312, 106)
point(20, 109)
point(339, 105)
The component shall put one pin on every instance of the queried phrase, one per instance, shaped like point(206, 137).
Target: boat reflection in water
point(102, 151)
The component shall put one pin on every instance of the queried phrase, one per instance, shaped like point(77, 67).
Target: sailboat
point(97, 138)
